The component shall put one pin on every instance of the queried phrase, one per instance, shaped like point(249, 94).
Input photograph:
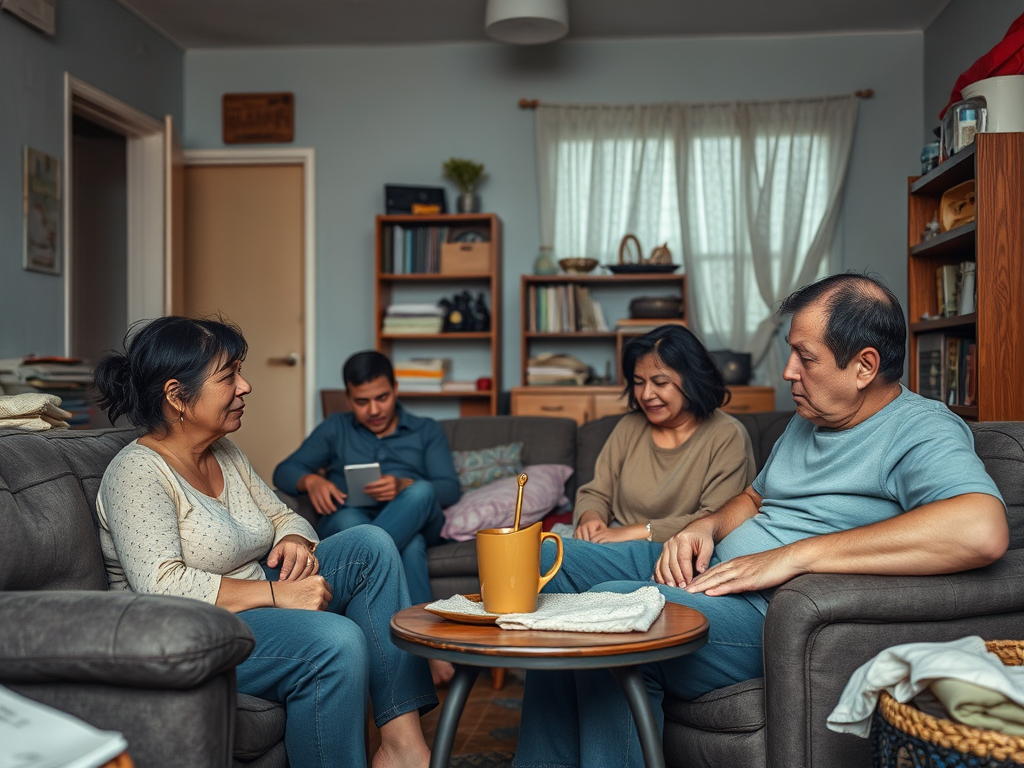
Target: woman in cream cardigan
point(183, 513)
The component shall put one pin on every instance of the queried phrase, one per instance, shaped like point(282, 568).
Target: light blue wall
point(963, 32)
point(393, 114)
point(101, 43)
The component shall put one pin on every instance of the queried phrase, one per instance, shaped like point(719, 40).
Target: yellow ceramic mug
point(509, 563)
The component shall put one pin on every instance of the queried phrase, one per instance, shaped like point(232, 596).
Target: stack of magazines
point(421, 374)
point(413, 319)
point(551, 369)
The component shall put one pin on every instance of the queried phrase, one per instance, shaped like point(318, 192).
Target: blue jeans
point(322, 665)
point(574, 719)
point(413, 519)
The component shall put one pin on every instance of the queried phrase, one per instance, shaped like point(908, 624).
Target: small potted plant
point(466, 175)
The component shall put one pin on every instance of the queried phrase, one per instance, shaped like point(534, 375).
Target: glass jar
point(545, 264)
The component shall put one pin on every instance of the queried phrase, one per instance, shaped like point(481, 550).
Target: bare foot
point(405, 757)
point(442, 672)
point(402, 744)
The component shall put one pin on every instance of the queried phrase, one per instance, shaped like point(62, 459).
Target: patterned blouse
point(159, 535)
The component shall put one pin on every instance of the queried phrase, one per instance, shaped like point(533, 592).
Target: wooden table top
point(677, 628)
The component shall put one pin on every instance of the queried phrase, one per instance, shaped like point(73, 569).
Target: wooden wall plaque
point(258, 118)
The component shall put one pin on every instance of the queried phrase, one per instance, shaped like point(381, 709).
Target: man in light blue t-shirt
point(860, 482)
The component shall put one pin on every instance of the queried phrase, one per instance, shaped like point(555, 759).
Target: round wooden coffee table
point(677, 632)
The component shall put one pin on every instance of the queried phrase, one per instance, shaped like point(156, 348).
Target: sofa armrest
point(301, 505)
point(118, 638)
point(820, 628)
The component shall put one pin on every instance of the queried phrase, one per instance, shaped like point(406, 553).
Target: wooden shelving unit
point(995, 242)
point(471, 403)
point(673, 281)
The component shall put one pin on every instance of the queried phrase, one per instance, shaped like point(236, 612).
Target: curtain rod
point(865, 93)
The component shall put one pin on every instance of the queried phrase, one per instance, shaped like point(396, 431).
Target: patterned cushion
point(494, 505)
point(478, 468)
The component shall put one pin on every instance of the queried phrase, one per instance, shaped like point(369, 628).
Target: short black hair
point(862, 312)
point(679, 349)
point(132, 383)
point(366, 366)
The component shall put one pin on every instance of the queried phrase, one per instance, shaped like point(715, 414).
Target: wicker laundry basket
point(904, 737)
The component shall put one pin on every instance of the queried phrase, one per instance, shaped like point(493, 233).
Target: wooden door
point(244, 255)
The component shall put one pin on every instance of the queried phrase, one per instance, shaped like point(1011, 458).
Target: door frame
point(144, 136)
point(306, 157)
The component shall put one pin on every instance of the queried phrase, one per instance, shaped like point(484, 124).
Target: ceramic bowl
point(577, 265)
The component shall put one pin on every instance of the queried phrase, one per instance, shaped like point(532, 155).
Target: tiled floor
point(489, 723)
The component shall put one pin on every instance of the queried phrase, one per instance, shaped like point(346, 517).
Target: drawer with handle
point(567, 406)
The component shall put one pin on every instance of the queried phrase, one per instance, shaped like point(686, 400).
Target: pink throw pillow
point(494, 505)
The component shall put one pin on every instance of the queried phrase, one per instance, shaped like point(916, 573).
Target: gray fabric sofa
point(161, 669)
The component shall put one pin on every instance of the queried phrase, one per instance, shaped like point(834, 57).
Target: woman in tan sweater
point(675, 457)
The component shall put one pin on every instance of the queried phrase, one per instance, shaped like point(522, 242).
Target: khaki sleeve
point(598, 495)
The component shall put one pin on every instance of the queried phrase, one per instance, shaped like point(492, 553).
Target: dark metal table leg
point(451, 711)
point(632, 682)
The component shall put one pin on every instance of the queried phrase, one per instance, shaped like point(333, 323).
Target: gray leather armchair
point(161, 670)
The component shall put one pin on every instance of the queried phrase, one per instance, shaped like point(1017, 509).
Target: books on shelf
point(550, 369)
point(567, 308)
point(413, 319)
point(956, 289)
point(412, 250)
point(947, 368)
point(422, 374)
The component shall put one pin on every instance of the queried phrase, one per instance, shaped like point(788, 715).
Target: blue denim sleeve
point(316, 452)
point(440, 470)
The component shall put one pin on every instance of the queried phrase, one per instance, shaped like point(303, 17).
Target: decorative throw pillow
point(494, 505)
point(477, 468)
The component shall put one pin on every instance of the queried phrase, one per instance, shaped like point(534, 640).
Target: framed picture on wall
point(42, 212)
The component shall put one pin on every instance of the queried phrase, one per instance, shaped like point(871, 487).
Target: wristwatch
point(649, 534)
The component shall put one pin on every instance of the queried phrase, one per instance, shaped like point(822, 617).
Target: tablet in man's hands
point(357, 477)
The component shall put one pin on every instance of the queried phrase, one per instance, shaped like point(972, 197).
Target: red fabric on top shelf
point(1006, 58)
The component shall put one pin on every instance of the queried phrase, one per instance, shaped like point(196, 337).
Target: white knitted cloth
point(33, 411)
point(586, 612)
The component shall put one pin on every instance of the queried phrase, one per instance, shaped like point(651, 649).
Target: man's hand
point(590, 525)
point(750, 573)
point(686, 553)
point(294, 557)
point(325, 496)
point(385, 489)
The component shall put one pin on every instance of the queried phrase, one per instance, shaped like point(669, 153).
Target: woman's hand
point(294, 557)
point(687, 552)
point(590, 525)
point(312, 594)
point(324, 495)
point(612, 534)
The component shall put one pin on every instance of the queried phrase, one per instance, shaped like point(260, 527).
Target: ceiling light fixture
point(527, 22)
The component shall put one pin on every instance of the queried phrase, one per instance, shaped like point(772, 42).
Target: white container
point(1005, 100)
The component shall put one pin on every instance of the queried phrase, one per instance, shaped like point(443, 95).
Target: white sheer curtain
point(747, 193)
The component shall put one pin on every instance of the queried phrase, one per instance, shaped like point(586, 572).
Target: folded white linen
point(591, 612)
point(906, 670)
point(586, 612)
point(32, 410)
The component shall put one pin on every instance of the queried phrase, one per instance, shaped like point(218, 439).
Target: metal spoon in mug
point(519, 501)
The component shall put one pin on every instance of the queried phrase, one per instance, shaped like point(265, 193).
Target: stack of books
point(422, 374)
point(413, 319)
point(412, 250)
point(563, 309)
point(556, 370)
point(956, 289)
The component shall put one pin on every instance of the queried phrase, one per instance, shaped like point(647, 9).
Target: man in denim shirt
point(417, 473)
